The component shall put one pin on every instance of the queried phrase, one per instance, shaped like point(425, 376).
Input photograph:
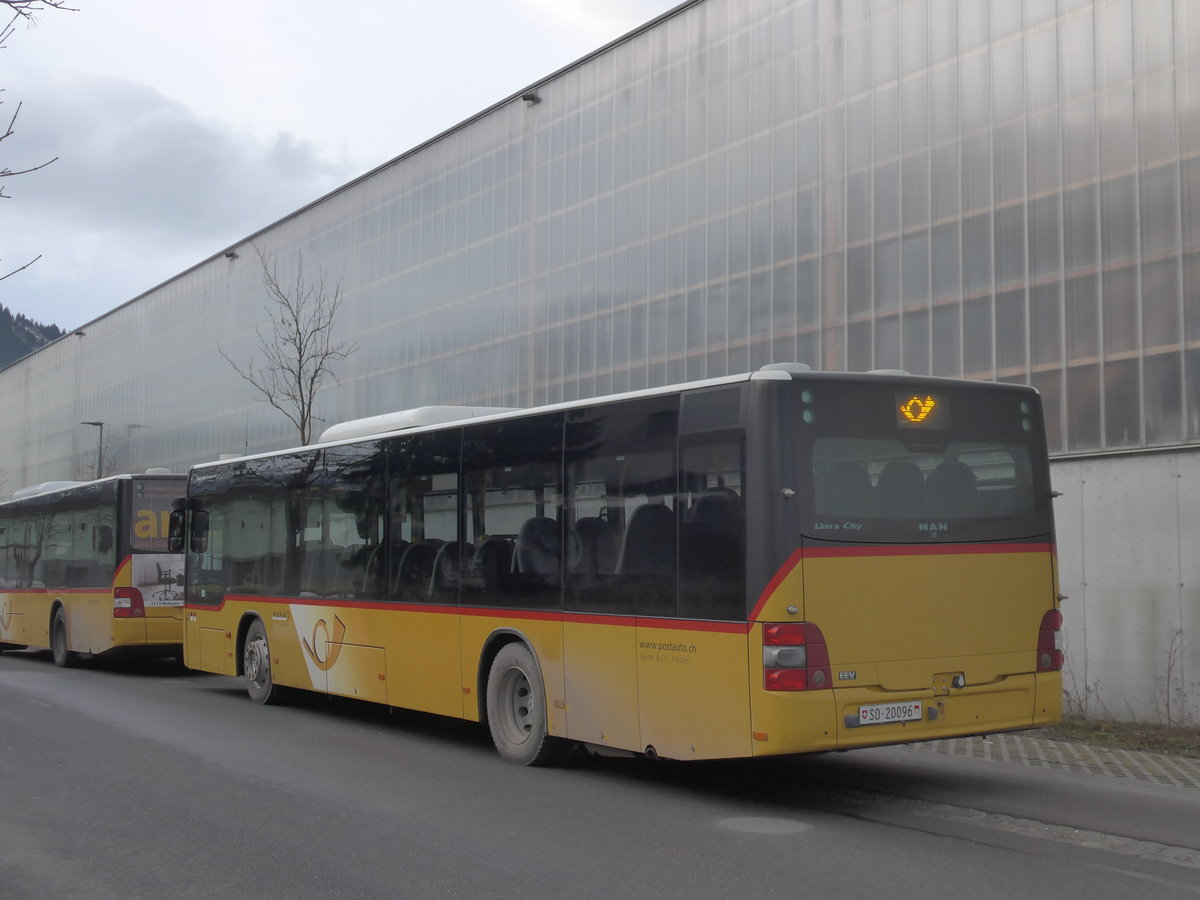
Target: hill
point(19, 335)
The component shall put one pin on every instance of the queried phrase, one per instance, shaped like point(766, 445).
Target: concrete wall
point(1129, 557)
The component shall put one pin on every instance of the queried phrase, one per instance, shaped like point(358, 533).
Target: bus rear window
point(885, 479)
point(152, 500)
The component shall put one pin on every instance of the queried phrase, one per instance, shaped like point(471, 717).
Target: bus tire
point(256, 666)
point(63, 658)
point(516, 709)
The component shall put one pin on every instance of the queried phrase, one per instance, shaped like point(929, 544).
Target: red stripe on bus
point(560, 616)
point(923, 550)
point(60, 591)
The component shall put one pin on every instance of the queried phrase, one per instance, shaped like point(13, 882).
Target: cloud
point(243, 123)
point(131, 159)
point(142, 188)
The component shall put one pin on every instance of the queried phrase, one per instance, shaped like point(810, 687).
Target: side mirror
point(199, 542)
point(175, 529)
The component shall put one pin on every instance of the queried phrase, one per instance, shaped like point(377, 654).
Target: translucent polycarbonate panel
point(1003, 187)
point(915, 326)
point(1083, 407)
point(1122, 389)
point(1009, 246)
point(1158, 199)
point(1045, 324)
point(1044, 231)
point(1162, 309)
point(1191, 390)
point(914, 260)
point(947, 339)
point(945, 261)
point(1079, 227)
point(1082, 317)
point(1163, 398)
point(1120, 305)
point(1011, 323)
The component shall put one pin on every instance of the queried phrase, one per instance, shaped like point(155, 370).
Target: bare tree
point(297, 354)
point(101, 462)
point(21, 10)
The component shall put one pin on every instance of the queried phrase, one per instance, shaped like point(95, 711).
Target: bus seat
point(312, 567)
point(900, 493)
point(843, 488)
point(599, 546)
point(538, 547)
point(416, 568)
point(492, 561)
point(448, 565)
point(718, 512)
point(953, 490)
point(711, 541)
point(649, 544)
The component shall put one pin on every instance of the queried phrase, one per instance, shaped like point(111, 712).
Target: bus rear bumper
point(849, 718)
point(872, 717)
point(147, 631)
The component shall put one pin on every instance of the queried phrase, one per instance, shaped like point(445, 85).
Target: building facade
point(1003, 190)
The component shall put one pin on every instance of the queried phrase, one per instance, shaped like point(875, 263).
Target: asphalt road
point(141, 781)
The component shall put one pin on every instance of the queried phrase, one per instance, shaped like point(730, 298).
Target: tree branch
point(299, 352)
point(23, 268)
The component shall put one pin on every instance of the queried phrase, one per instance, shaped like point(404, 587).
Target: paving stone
point(1029, 750)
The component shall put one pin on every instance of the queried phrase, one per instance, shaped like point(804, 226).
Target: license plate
point(883, 713)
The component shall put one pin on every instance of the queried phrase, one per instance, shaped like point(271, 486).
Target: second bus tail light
point(795, 658)
point(128, 604)
point(1050, 642)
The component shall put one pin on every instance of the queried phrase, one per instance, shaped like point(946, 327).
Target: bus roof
point(54, 487)
point(428, 417)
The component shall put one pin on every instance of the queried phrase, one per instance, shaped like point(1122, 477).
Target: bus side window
point(712, 539)
point(513, 472)
point(621, 509)
point(422, 505)
point(648, 547)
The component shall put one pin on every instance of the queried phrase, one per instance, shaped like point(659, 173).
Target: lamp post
point(99, 448)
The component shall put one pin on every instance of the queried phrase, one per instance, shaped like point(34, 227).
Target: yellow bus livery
point(84, 569)
point(774, 563)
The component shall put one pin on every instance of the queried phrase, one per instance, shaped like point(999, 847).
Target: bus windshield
point(892, 465)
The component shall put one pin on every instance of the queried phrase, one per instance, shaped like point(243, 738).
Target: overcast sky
point(180, 128)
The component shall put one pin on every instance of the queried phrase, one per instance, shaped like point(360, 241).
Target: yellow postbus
point(773, 563)
point(84, 568)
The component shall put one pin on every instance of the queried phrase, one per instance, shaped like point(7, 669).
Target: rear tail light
point(127, 604)
point(1049, 648)
point(795, 658)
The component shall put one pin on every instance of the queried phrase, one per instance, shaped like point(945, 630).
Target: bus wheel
point(256, 665)
point(58, 641)
point(516, 709)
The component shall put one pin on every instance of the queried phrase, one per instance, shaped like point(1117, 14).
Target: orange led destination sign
point(922, 411)
point(916, 409)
